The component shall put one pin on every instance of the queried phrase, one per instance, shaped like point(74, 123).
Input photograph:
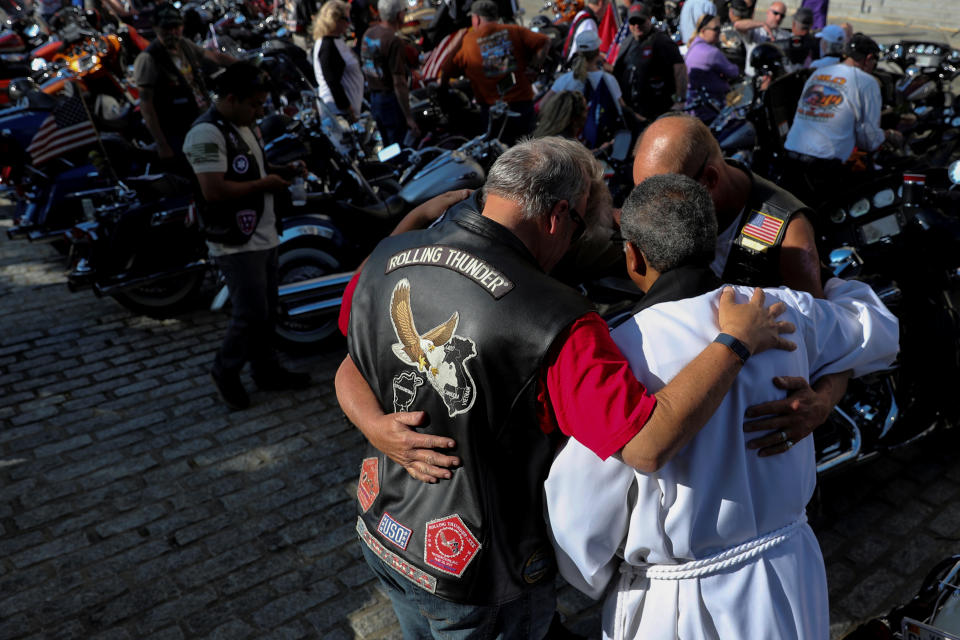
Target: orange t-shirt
point(489, 53)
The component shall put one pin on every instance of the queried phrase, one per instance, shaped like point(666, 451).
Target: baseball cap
point(638, 10)
point(167, 15)
point(862, 44)
point(832, 33)
point(485, 9)
point(803, 16)
point(588, 41)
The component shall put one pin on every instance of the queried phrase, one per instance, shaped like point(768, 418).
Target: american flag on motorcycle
point(67, 127)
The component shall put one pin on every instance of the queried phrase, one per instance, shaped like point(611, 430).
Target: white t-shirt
point(206, 150)
point(584, 25)
point(839, 109)
point(566, 82)
point(352, 78)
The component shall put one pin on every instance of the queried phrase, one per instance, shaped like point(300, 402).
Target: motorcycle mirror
point(954, 172)
point(621, 144)
point(391, 151)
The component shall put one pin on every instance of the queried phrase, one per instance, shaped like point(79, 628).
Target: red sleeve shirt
point(343, 320)
point(591, 393)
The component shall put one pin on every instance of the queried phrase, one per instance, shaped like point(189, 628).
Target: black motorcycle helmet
point(539, 22)
point(767, 58)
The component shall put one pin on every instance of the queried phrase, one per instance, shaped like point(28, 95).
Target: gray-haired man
point(462, 323)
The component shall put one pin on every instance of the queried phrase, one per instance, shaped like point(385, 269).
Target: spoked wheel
point(164, 298)
point(308, 332)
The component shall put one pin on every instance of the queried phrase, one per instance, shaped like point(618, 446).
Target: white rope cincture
point(726, 559)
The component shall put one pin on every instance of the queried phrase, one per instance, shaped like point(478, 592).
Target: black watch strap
point(738, 348)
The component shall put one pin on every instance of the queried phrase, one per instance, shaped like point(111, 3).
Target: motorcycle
point(932, 614)
point(917, 79)
point(900, 236)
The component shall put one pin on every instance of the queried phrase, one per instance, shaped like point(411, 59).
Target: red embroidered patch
point(368, 488)
point(450, 545)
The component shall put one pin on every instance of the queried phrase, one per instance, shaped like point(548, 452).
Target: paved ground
point(133, 505)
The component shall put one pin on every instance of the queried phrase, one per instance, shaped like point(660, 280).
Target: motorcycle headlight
point(34, 30)
point(38, 64)
point(860, 207)
point(954, 172)
point(883, 198)
point(85, 63)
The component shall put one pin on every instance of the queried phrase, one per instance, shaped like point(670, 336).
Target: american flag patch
point(762, 227)
point(393, 531)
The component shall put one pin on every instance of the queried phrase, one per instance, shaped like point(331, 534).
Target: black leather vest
point(457, 320)
point(231, 222)
point(173, 97)
point(755, 255)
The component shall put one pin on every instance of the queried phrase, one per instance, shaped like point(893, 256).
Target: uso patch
point(368, 488)
point(450, 545)
point(394, 531)
point(420, 578)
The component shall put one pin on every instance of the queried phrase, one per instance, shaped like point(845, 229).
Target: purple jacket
point(708, 69)
point(819, 8)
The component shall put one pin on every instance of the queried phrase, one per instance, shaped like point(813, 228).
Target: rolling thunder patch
point(480, 271)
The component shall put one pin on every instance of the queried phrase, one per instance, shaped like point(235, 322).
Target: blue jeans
point(424, 615)
point(252, 279)
point(390, 120)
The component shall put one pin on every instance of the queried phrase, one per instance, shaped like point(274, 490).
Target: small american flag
point(67, 127)
point(763, 227)
point(614, 50)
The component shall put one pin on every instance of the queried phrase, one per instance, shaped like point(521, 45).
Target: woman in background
point(339, 79)
point(708, 69)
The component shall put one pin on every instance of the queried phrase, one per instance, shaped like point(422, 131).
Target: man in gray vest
point(461, 322)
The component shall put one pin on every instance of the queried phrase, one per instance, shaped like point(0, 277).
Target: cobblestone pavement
point(133, 505)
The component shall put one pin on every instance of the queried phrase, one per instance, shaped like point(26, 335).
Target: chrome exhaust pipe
point(122, 285)
point(856, 444)
point(317, 296)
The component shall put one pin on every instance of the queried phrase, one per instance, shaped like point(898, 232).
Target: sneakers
point(231, 389)
point(280, 379)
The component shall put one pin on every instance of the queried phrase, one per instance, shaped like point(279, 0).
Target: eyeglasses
point(581, 225)
point(703, 165)
point(778, 13)
point(639, 22)
point(710, 29)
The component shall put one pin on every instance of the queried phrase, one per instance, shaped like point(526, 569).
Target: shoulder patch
point(483, 273)
point(763, 228)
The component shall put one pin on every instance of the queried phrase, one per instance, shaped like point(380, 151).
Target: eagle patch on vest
point(247, 221)
point(439, 354)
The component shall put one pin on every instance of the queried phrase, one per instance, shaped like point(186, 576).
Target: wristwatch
point(739, 349)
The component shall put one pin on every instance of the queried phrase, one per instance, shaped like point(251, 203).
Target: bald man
point(765, 238)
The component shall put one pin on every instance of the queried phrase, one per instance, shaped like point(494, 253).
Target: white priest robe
point(715, 544)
